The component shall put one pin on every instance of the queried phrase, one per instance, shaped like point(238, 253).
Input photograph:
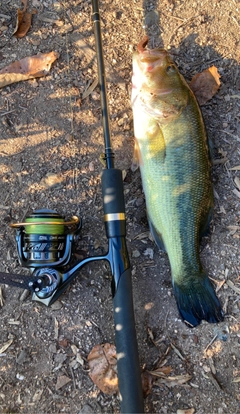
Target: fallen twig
point(210, 343)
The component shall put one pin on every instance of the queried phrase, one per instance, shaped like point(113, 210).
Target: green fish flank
point(175, 170)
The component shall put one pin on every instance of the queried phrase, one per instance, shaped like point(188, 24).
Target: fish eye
point(170, 69)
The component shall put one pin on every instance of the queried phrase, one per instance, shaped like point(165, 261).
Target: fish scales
point(175, 169)
point(179, 184)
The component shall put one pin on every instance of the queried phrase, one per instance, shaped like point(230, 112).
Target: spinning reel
point(45, 244)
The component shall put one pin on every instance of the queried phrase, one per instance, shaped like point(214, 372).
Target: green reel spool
point(38, 225)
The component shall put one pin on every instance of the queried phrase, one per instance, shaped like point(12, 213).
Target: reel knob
point(45, 282)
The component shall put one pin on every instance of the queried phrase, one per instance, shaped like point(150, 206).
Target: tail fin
point(197, 300)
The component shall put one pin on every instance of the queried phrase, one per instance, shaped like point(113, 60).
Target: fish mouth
point(150, 56)
point(148, 62)
point(153, 55)
point(143, 43)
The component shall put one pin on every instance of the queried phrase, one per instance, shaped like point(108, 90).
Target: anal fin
point(205, 224)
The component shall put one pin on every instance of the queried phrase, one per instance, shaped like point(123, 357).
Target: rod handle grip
point(112, 190)
point(113, 203)
point(129, 375)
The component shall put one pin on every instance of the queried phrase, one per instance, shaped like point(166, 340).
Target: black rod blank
point(102, 83)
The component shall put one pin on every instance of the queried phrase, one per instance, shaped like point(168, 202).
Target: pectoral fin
point(156, 236)
point(157, 144)
point(137, 158)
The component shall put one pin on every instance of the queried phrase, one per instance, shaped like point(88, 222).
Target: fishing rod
point(45, 243)
point(115, 224)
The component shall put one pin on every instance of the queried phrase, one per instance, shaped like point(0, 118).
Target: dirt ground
point(50, 144)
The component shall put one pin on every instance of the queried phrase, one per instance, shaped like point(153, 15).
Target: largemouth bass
point(174, 161)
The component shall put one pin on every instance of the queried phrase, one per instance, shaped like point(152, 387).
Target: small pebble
point(56, 305)
point(57, 6)
point(34, 83)
point(148, 252)
point(139, 201)
point(20, 377)
point(52, 348)
point(120, 121)
point(136, 253)
point(60, 358)
point(22, 357)
point(91, 166)
point(222, 333)
point(35, 42)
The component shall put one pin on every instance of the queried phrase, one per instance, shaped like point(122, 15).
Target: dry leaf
point(1, 297)
point(56, 324)
point(236, 192)
point(37, 395)
point(61, 381)
point(237, 379)
point(79, 359)
point(147, 383)
point(74, 349)
point(237, 182)
point(236, 168)
point(27, 68)
point(161, 372)
point(219, 283)
point(187, 411)
point(24, 21)
point(102, 362)
point(6, 346)
point(205, 84)
point(24, 2)
point(63, 342)
point(174, 380)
